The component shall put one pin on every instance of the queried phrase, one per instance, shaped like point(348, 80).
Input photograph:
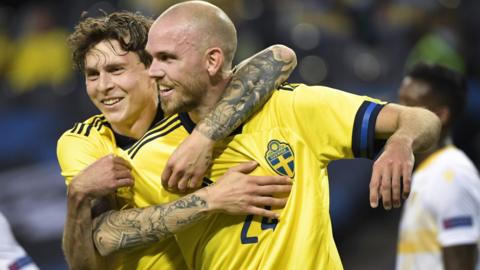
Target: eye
point(91, 75)
point(117, 70)
point(165, 57)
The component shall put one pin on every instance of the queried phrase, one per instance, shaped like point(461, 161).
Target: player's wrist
point(203, 138)
point(77, 194)
point(399, 139)
point(208, 195)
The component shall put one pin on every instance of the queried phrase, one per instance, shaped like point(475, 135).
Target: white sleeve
point(456, 207)
point(12, 255)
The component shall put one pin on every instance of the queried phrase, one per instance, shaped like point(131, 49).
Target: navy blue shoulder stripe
point(363, 137)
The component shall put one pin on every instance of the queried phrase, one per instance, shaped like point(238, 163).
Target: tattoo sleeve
point(252, 84)
point(115, 230)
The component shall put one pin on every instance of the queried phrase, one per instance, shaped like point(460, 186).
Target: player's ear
point(214, 60)
point(443, 112)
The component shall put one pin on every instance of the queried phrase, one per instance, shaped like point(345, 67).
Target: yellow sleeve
point(77, 151)
point(333, 123)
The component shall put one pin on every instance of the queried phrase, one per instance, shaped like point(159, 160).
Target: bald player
point(296, 134)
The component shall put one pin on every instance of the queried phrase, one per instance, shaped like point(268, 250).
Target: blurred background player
point(12, 255)
point(440, 224)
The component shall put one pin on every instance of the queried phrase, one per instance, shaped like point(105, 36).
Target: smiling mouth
point(164, 90)
point(111, 101)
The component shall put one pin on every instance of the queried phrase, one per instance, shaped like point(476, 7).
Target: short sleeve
point(76, 151)
point(335, 124)
point(455, 208)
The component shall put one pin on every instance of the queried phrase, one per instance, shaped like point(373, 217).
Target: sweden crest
point(280, 157)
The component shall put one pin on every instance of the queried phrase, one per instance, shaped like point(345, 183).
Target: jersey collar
point(125, 142)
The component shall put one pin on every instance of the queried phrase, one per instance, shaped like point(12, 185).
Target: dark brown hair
point(447, 86)
point(129, 29)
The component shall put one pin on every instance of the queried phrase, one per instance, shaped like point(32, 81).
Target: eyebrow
point(90, 70)
point(106, 67)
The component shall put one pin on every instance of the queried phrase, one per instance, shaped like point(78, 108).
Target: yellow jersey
point(85, 143)
point(297, 133)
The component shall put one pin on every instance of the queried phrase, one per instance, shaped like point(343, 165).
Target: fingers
point(174, 179)
point(269, 201)
point(167, 172)
point(121, 162)
point(374, 187)
point(273, 189)
point(124, 182)
point(183, 183)
point(246, 167)
point(396, 186)
point(407, 179)
point(271, 180)
point(254, 210)
point(195, 181)
point(386, 188)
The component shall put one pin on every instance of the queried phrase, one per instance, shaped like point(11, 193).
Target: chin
point(114, 118)
point(168, 110)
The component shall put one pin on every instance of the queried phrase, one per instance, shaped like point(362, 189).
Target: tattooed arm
point(116, 230)
point(234, 193)
point(252, 84)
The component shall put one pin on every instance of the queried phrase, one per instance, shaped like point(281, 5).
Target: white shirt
point(443, 210)
point(12, 255)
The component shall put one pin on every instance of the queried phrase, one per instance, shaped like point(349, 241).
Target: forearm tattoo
point(251, 86)
point(115, 230)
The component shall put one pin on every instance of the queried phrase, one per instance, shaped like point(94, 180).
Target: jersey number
point(266, 224)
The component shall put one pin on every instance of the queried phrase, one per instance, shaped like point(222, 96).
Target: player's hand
point(236, 192)
point(187, 165)
point(102, 177)
point(392, 169)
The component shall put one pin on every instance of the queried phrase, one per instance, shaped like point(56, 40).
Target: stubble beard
point(186, 103)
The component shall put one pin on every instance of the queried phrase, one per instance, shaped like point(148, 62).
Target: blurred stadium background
point(362, 46)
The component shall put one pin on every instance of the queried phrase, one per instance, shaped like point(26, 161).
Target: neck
point(210, 99)
point(137, 128)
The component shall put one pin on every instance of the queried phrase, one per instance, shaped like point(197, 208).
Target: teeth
point(163, 88)
point(111, 101)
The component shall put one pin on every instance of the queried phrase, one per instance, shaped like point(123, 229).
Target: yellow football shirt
point(297, 133)
point(85, 143)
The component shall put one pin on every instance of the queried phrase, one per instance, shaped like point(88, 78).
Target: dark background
point(361, 46)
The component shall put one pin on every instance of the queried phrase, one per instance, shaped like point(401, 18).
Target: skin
point(84, 197)
point(172, 44)
point(267, 69)
point(177, 49)
point(118, 84)
point(419, 93)
point(111, 78)
point(234, 193)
